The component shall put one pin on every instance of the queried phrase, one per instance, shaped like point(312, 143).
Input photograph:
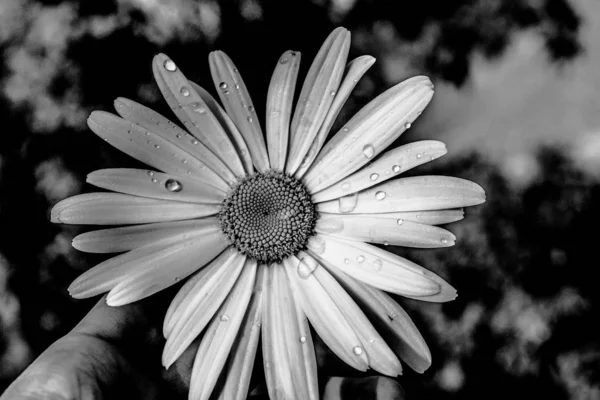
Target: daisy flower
point(274, 232)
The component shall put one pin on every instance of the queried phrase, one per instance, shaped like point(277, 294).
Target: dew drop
point(316, 244)
point(374, 177)
point(346, 261)
point(284, 60)
point(223, 85)
point(396, 168)
point(400, 221)
point(331, 225)
point(173, 186)
point(226, 92)
point(251, 108)
point(348, 203)
point(360, 259)
point(345, 129)
point(332, 93)
point(444, 241)
point(185, 92)
point(419, 155)
point(357, 350)
point(386, 243)
point(154, 180)
point(306, 267)
point(184, 161)
point(377, 264)
point(368, 151)
point(302, 339)
point(380, 195)
point(407, 125)
point(170, 66)
point(250, 119)
point(224, 317)
point(178, 136)
point(150, 173)
point(157, 146)
point(199, 109)
point(194, 141)
point(237, 86)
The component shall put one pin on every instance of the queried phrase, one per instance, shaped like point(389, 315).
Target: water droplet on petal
point(251, 108)
point(302, 339)
point(154, 180)
point(419, 155)
point(194, 141)
point(346, 261)
point(400, 221)
point(185, 92)
point(157, 146)
point(249, 119)
point(368, 151)
point(306, 267)
point(178, 136)
point(345, 129)
point(348, 203)
point(170, 66)
point(331, 225)
point(316, 244)
point(223, 85)
point(283, 60)
point(374, 177)
point(444, 241)
point(332, 93)
point(224, 317)
point(150, 173)
point(173, 186)
point(357, 350)
point(380, 195)
point(407, 125)
point(377, 264)
point(396, 168)
point(360, 259)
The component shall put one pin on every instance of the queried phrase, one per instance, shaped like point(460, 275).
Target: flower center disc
point(268, 217)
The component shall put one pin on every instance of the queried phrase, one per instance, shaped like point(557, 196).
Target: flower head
point(274, 234)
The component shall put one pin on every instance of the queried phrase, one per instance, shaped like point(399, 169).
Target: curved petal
point(237, 102)
point(409, 194)
point(375, 228)
point(383, 270)
point(220, 334)
point(193, 112)
point(150, 148)
point(391, 321)
point(156, 123)
point(165, 268)
point(123, 209)
point(369, 132)
point(127, 238)
point(317, 95)
point(279, 107)
point(243, 352)
point(325, 316)
point(289, 356)
point(354, 71)
point(189, 312)
point(389, 165)
point(232, 131)
point(380, 356)
point(434, 217)
point(156, 185)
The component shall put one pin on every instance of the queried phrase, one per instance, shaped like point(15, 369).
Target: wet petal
point(237, 102)
point(243, 352)
point(127, 238)
point(289, 356)
point(354, 71)
point(376, 228)
point(369, 132)
point(279, 107)
point(325, 316)
point(193, 112)
point(383, 270)
point(156, 123)
point(389, 165)
point(409, 194)
point(317, 95)
point(391, 321)
point(229, 126)
point(152, 149)
point(380, 356)
point(201, 296)
point(435, 217)
point(220, 334)
point(165, 268)
point(156, 185)
point(122, 209)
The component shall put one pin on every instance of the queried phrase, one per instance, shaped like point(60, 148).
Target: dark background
point(516, 103)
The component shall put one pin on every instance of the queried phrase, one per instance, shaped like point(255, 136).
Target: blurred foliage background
point(516, 103)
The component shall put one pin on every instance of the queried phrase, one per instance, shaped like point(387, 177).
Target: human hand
point(114, 353)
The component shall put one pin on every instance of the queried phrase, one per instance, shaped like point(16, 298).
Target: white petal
point(326, 317)
point(165, 268)
point(243, 352)
point(122, 209)
point(380, 356)
point(289, 356)
point(409, 194)
point(232, 131)
point(156, 185)
point(389, 165)
point(377, 228)
point(392, 322)
point(354, 71)
point(383, 270)
point(369, 132)
point(279, 107)
point(237, 102)
point(152, 149)
point(193, 112)
point(318, 92)
point(127, 238)
point(220, 334)
point(153, 121)
point(435, 217)
point(201, 297)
